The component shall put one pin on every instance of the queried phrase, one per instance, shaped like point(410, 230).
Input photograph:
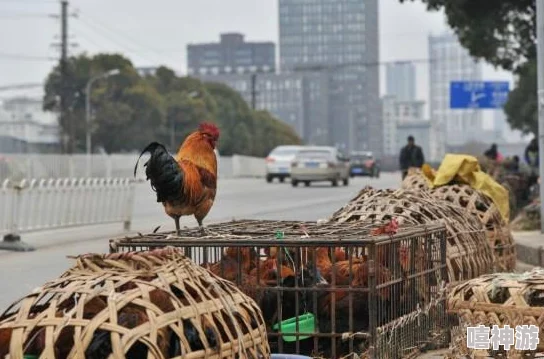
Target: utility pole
point(540, 62)
point(254, 91)
point(67, 127)
point(64, 76)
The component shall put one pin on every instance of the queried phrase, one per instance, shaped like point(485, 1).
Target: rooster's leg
point(201, 227)
point(176, 219)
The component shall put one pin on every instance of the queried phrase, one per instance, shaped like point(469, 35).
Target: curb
point(530, 255)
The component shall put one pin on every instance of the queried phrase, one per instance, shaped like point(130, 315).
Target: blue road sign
point(478, 94)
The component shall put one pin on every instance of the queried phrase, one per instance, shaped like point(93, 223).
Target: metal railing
point(33, 205)
point(19, 166)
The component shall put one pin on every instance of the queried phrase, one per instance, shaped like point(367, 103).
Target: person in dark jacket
point(532, 158)
point(512, 165)
point(531, 153)
point(492, 153)
point(411, 155)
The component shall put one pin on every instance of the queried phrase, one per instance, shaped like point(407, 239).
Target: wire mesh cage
point(155, 304)
point(328, 290)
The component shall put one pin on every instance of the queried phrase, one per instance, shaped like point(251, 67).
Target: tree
point(129, 111)
point(79, 70)
point(186, 104)
point(503, 33)
point(522, 107)
point(245, 131)
point(271, 132)
point(234, 118)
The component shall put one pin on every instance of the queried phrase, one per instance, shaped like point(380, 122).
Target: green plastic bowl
point(30, 356)
point(306, 324)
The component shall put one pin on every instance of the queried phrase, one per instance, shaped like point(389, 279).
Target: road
point(236, 198)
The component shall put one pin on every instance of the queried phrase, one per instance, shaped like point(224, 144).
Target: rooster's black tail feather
point(163, 171)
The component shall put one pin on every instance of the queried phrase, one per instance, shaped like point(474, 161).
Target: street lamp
point(91, 81)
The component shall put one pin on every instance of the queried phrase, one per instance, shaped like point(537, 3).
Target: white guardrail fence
point(33, 205)
point(41, 191)
point(19, 166)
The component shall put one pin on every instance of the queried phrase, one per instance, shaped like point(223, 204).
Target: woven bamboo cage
point(497, 230)
point(468, 252)
point(498, 299)
point(415, 180)
point(132, 305)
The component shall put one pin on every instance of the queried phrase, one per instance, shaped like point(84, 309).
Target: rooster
point(186, 185)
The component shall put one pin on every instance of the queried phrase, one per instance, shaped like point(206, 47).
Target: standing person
point(411, 155)
point(532, 159)
point(531, 153)
point(492, 153)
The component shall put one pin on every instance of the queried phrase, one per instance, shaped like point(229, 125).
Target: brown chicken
point(35, 343)
point(268, 271)
point(186, 185)
point(339, 254)
point(228, 266)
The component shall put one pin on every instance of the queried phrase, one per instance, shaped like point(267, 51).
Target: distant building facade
point(231, 55)
point(449, 61)
point(336, 39)
point(401, 80)
point(286, 96)
point(399, 118)
point(146, 71)
point(25, 127)
point(500, 125)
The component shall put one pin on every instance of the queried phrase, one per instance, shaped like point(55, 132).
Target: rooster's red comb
point(209, 128)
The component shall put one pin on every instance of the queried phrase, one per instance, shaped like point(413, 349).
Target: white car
point(278, 162)
point(319, 164)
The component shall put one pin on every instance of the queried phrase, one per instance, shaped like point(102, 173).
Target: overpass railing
point(33, 205)
point(20, 166)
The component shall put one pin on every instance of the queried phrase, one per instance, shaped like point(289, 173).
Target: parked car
point(364, 164)
point(278, 162)
point(318, 164)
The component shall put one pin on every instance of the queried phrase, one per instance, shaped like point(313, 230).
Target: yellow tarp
point(465, 168)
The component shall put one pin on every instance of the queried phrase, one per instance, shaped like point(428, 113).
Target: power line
point(24, 57)
point(21, 15)
point(33, 2)
point(20, 86)
point(104, 34)
point(100, 25)
point(99, 31)
point(79, 32)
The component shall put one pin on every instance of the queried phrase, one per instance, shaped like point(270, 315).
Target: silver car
point(318, 164)
point(278, 162)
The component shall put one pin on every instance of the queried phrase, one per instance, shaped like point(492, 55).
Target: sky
point(156, 32)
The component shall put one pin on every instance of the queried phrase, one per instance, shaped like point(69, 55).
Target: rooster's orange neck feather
point(198, 151)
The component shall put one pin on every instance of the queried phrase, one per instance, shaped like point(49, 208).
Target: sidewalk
point(71, 236)
point(530, 247)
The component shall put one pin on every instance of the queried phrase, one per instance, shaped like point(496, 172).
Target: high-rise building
point(400, 120)
point(401, 80)
point(500, 125)
point(231, 55)
point(338, 41)
point(449, 61)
